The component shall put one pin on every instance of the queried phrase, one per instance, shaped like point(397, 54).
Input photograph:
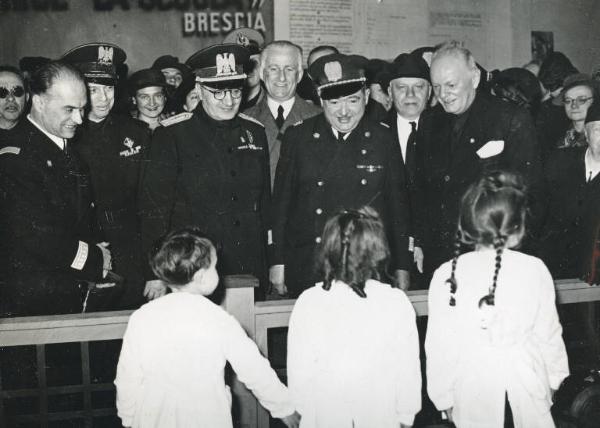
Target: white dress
point(171, 367)
point(520, 353)
point(354, 362)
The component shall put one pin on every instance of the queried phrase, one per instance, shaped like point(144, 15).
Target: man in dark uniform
point(335, 160)
point(113, 146)
point(477, 132)
point(210, 169)
point(46, 243)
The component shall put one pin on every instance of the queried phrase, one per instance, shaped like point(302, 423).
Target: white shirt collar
point(60, 142)
point(336, 133)
point(591, 169)
point(274, 106)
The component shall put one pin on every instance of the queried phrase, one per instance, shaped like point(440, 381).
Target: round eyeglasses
point(17, 92)
point(219, 94)
point(576, 102)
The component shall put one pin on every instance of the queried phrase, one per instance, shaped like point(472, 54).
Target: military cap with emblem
point(97, 61)
point(169, 61)
point(250, 38)
point(338, 75)
point(145, 78)
point(220, 66)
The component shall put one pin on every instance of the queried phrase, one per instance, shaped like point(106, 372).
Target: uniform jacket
point(114, 150)
point(573, 213)
point(213, 175)
point(45, 218)
point(300, 110)
point(447, 165)
point(317, 176)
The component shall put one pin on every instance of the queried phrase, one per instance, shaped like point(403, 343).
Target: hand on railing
point(292, 421)
point(155, 289)
point(277, 280)
point(418, 258)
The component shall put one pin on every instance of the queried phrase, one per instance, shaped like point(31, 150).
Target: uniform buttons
point(233, 173)
point(363, 181)
point(363, 152)
point(234, 197)
point(318, 239)
point(319, 211)
point(236, 223)
point(446, 178)
point(320, 183)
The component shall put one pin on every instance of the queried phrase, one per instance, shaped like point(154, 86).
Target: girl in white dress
point(171, 367)
point(353, 350)
point(493, 334)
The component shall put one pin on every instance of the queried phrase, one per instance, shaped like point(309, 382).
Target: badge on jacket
point(132, 149)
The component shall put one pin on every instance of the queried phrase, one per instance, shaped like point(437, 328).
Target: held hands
point(401, 279)
point(292, 421)
point(106, 258)
point(277, 279)
point(418, 258)
point(448, 413)
point(154, 289)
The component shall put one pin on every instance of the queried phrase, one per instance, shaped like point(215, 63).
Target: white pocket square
point(491, 148)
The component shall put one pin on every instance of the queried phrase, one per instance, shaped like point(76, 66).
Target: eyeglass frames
point(219, 94)
point(17, 92)
point(576, 102)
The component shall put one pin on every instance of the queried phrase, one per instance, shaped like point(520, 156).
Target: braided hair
point(354, 249)
point(493, 209)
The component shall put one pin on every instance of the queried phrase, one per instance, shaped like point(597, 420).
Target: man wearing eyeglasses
point(210, 169)
point(13, 99)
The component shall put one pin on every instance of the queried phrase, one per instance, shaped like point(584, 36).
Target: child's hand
point(292, 421)
point(448, 413)
point(155, 289)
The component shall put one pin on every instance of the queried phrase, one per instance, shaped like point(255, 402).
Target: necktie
point(410, 149)
point(279, 120)
point(341, 136)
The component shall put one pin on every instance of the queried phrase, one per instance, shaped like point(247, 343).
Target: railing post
point(239, 302)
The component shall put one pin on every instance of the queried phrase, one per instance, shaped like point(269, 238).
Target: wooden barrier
point(256, 318)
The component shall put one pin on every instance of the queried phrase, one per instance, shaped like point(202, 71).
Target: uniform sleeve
point(36, 228)
point(441, 344)
point(301, 360)
point(408, 392)
point(158, 188)
point(283, 194)
point(129, 378)
point(548, 331)
point(255, 371)
point(396, 197)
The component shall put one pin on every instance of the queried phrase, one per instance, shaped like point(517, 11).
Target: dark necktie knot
point(341, 136)
point(413, 126)
point(279, 119)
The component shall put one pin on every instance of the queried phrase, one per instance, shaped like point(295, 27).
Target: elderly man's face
point(60, 109)
point(454, 83)
point(410, 95)
point(344, 113)
point(173, 76)
point(592, 132)
point(281, 73)
point(221, 104)
point(577, 101)
point(102, 100)
point(150, 101)
point(12, 99)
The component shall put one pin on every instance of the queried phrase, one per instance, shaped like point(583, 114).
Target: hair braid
point(490, 298)
point(452, 280)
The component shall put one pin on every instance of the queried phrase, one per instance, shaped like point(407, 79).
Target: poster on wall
point(146, 29)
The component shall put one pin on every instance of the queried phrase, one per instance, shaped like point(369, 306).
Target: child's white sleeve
point(301, 361)
point(254, 370)
point(408, 369)
point(129, 378)
point(441, 347)
point(548, 331)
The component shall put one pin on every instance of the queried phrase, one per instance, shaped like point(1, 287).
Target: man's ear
point(367, 95)
point(300, 73)
point(134, 101)
point(38, 102)
point(476, 77)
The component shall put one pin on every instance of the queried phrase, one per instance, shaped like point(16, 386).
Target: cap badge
point(333, 71)
point(225, 64)
point(243, 40)
point(105, 54)
point(128, 142)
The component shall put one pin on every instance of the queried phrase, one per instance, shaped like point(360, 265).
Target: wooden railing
point(256, 318)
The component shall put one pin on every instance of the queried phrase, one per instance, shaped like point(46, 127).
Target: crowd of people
point(350, 174)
